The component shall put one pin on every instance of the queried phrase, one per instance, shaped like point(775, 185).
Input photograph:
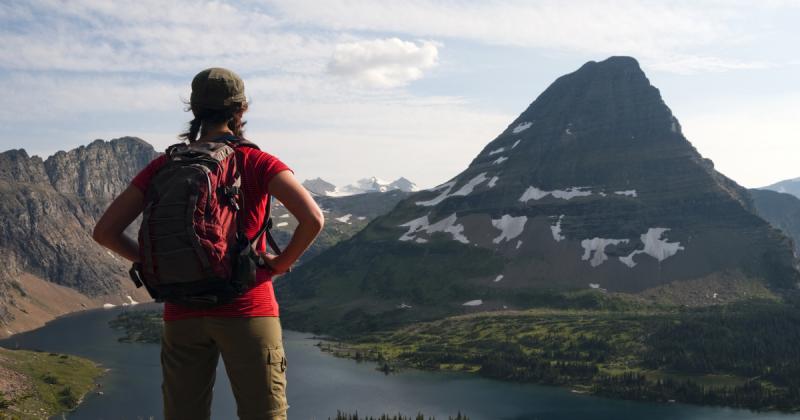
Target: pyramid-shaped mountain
point(593, 186)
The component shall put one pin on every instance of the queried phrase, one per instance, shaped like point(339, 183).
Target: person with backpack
point(202, 249)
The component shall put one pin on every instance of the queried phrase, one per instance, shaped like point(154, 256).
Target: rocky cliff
point(49, 208)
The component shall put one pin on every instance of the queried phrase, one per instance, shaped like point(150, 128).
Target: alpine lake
point(319, 384)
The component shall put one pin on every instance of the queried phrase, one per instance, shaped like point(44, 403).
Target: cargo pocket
point(277, 379)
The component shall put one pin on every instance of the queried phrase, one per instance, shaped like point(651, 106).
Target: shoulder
point(260, 160)
point(143, 177)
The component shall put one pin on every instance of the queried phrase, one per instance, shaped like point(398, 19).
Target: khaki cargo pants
point(252, 351)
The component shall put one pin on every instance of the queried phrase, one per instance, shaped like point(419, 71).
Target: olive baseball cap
point(216, 88)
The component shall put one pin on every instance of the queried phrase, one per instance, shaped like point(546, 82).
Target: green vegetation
point(741, 355)
point(40, 385)
point(367, 295)
point(419, 416)
point(138, 326)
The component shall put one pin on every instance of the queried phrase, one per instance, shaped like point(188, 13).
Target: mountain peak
point(592, 186)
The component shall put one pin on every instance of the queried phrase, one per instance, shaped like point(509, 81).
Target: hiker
point(240, 322)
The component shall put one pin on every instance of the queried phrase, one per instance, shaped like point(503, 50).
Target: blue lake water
point(320, 384)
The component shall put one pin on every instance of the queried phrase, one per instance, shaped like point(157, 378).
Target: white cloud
point(664, 35)
point(385, 63)
point(153, 36)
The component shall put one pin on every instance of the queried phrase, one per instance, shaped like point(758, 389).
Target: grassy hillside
point(745, 354)
point(35, 385)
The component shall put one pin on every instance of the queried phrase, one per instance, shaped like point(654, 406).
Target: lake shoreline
point(503, 363)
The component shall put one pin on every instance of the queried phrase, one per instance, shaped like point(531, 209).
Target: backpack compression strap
point(265, 230)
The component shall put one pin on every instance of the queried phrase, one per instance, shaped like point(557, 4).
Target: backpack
point(192, 249)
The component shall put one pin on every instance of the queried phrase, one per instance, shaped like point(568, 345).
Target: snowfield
point(510, 227)
point(534, 193)
point(446, 225)
point(522, 127)
point(556, 230)
point(654, 246)
point(594, 250)
point(629, 193)
point(463, 191)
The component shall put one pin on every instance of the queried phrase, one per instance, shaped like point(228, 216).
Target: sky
point(347, 89)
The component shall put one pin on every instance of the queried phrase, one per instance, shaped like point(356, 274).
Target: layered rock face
point(49, 209)
point(593, 186)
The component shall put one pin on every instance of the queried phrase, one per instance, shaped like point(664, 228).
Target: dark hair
point(207, 117)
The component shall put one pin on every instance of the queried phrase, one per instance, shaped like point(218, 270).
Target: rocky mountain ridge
point(49, 209)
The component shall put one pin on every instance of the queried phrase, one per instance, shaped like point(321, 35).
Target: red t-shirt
point(258, 170)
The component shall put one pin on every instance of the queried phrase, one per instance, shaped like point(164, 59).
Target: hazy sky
point(346, 89)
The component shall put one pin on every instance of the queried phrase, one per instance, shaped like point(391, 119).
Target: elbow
point(318, 221)
point(315, 221)
point(100, 235)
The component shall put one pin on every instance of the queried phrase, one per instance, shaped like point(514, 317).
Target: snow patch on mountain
point(654, 246)
point(533, 193)
point(499, 160)
point(498, 278)
point(463, 191)
point(476, 302)
point(496, 151)
point(556, 230)
point(629, 193)
point(522, 127)
point(446, 225)
point(493, 182)
point(345, 218)
point(510, 227)
point(516, 143)
point(594, 250)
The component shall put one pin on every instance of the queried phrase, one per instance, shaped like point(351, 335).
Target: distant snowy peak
point(403, 184)
point(319, 186)
point(366, 185)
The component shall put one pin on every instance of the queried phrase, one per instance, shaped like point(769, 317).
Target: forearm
point(122, 245)
point(303, 236)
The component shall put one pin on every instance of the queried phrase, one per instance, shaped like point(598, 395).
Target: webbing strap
point(265, 230)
